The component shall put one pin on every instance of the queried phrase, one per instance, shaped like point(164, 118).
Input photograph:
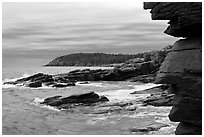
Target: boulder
point(50, 99)
point(33, 84)
point(87, 98)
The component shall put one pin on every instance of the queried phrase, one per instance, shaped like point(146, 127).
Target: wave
point(37, 102)
point(14, 79)
point(124, 94)
point(145, 86)
point(90, 84)
point(152, 110)
point(8, 86)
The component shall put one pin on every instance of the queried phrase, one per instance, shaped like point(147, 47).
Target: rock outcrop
point(159, 96)
point(71, 101)
point(182, 68)
point(40, 79)
point(185, 17)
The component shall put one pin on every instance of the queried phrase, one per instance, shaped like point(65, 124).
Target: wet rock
point(161, 99)
point(60, 85)
point(10, 82)
point(103, 98)
point(131, 107)
point(34, 84)
point(50, 99)
point(108, 109)
point(144, 78)
point(85, 82)
point(148, 128)
point(31, 78)
point(87, 98)
point(39, 79)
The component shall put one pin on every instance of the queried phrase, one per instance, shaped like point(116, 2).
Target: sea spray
point(124, 94)
point(37, 102)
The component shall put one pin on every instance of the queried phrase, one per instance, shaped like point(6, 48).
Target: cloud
point(44, 30)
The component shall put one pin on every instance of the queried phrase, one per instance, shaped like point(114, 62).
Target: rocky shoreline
point(136, 70)
point(141, 70)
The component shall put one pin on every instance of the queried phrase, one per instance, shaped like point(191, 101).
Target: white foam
point(8, 86)
point(145, 86)
point(90, 84)
point(124, 94)
point(14, 79)
point(165, 130)
point(43, 87)
point(37, 102)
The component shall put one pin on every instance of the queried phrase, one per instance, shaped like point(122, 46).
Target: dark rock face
point(159, 96)
point(66, 102)
point(161, 99)
point(185, 17)
point(144, 78)
point(187, 129)
point(34, 84)
point(182, 68)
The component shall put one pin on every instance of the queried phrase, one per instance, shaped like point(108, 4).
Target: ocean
point(22, 113)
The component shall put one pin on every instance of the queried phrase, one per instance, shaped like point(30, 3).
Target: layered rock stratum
point(182, 67)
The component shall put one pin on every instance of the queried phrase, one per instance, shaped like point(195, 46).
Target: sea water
point(22, 112)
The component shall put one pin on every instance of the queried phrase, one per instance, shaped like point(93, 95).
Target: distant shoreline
point(93, 59)
point(108, 65)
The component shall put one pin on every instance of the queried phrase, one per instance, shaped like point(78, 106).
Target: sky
point(34, 33)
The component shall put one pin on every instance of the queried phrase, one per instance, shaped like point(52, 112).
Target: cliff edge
point(182, 67)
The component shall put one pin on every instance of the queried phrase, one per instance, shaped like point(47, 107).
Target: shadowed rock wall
point(182, 68)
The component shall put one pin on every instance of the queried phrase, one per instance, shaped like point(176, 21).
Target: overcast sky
point(35, 33)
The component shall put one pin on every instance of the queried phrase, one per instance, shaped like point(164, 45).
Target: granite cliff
point(182, 67)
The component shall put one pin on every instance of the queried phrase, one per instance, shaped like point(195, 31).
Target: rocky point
point(182, 67)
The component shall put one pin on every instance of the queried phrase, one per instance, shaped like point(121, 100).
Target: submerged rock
point(148, 128)
point(159, 99)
